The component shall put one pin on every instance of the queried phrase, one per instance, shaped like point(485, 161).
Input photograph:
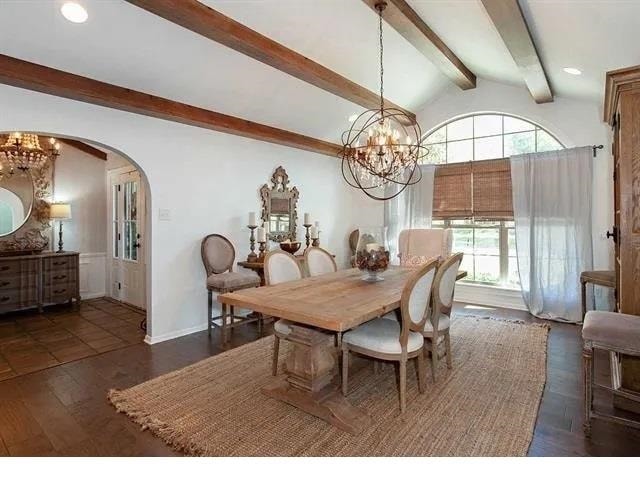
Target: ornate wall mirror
point(279, 207)
point(16, 201)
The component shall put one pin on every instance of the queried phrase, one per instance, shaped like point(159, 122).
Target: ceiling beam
point(23, 74)
point(408, 23)
point(508, 19)
point(209, 23)
point(84, 147)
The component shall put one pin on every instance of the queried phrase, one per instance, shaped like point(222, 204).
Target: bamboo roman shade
point(480, 189)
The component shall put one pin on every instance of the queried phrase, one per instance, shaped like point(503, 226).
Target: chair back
point(217, 253)
point(444, 286)
point(319, 261)
point(280, 267)
point(353, 241)
point(416, 297)
point(419, 245)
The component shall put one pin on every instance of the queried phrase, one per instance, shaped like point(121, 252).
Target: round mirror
point(16, 201)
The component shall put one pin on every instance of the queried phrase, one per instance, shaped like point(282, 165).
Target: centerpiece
point(372, 253)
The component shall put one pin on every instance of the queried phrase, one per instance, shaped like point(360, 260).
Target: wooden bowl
point(290, 247)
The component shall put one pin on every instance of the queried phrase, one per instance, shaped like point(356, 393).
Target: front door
point(127, 238)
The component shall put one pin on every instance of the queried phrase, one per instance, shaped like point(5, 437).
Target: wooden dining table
point(319, 307)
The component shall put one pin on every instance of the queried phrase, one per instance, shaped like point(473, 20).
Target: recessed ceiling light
point(353, 117)
point(572, 71)
point(74, 12)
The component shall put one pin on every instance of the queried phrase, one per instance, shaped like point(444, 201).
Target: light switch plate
point(164, 214)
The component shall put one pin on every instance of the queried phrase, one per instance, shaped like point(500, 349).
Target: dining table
point(319, 307)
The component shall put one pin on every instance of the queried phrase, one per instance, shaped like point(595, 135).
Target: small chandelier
point(383, 147)
point(22, 151)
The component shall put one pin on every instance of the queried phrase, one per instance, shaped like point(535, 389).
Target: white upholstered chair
point(280, 267)
point(319, 261)
point(437, 328)
point(388, 339)
point(420, 245)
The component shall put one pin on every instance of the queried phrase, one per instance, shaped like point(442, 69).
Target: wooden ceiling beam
point(211, 24)
point(84, 147)
point(408, 23)
point(509, 20)
point(23, 74)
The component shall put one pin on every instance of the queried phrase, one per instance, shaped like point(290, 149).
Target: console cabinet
point(28, 281)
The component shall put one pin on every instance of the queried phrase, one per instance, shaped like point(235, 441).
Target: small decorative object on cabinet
point(60, 211)
point(372, 253)
point(290, 247)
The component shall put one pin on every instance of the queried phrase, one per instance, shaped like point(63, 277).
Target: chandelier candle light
point(383, 147)
point(23, 151)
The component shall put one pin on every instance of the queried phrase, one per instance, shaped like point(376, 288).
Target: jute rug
point(485, 406)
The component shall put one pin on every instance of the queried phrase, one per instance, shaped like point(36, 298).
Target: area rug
point(485, 406)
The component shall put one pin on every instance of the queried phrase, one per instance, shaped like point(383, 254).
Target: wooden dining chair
point(280, 267)
point(388, 339)
point(437, 327)
point(319, 261)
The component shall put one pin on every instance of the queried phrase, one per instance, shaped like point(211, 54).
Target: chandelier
point(22, 151)
point(383, 147)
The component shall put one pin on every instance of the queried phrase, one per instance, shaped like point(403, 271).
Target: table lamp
point(60, 211)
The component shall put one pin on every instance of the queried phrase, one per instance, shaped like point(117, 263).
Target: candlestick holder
point(262, 250)
point(307, 237)
point(316, 241)
point(252, 257)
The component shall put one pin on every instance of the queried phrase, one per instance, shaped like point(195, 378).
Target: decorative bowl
point(372, 253)
point(290, 247)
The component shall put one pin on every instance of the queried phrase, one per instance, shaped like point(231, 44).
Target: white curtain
point(413, 208)
point(552, 194)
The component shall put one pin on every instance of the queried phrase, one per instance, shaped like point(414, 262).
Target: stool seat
point(233, 280)
point(616, 330)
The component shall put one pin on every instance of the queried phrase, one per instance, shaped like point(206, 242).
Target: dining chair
point(398, 339)
point(280, 267)
point(218, 256)
point(319, 261)
point(439, 322)
point(420, 245)
point(354, 236)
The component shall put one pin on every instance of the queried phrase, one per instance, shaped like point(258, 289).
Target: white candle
point(313, 232)
point(262, 235)
point(372, 246)
point(318, 225)
point(252, 219)
point(307, 219)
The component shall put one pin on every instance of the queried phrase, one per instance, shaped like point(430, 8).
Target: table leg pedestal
point(311, 383)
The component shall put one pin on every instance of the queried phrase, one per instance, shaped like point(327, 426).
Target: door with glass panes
point(127, 238)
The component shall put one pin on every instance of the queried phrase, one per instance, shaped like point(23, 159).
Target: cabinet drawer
point(16, 267)
point(14, 282)
point(18, 298)
point(59, 278)
point(60, 292)
point(61, 263)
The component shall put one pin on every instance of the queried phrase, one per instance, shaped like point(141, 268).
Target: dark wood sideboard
point(28, 281)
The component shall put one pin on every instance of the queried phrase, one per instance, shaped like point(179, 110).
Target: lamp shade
point(60, 211)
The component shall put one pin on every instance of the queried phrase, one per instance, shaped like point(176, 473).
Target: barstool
point(218, 256)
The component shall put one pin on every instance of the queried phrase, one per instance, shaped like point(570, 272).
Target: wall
point(207, 180)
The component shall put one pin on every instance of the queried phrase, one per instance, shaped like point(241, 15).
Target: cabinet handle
point(59, 263)
point(59, 277)
point(4, 284)
point(4, 268)
point(5, 299)
point(60, 291)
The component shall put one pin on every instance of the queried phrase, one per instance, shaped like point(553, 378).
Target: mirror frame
point(280, 189)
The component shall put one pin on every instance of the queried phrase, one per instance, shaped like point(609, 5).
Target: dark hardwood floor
point(63, 410)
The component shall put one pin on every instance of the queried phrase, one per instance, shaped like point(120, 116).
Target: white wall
point(207, 180)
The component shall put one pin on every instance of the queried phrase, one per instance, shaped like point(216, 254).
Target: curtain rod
point(597, 147)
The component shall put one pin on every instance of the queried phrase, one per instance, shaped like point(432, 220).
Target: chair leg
point(422, 374)
point(260, 324)
point(345, 371)
point(447, 343)
point(434, 357)
point(232, 316)
point(403, 385)
point(209, 311)
point(338, 340)
point(276, 348)
point(587, 368)
point(223, 328)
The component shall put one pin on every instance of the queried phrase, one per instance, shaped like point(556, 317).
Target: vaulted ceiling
point(127, 46)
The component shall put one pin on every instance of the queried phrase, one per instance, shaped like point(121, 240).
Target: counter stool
point(615, 333)
point(218, 256)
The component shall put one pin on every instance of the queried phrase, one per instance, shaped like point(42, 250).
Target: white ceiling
point(127, 46)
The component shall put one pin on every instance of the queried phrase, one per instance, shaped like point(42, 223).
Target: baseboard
point(490, 296)
point(90, 296)
point(175, 334)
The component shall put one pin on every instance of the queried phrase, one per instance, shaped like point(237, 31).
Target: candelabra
point(252, 257)
point(262, 249)
point(316, 241)
point(307, 237)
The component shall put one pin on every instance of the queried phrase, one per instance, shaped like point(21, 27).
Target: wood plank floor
point(63, 410)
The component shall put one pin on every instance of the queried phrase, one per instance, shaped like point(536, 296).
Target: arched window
point(488, 245)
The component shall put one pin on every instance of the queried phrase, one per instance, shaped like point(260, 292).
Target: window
point(488, 245)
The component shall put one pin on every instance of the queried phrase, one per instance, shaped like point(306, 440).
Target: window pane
point(487, 241)
point(513, 280)
point(460, 151)
point(487, 269)
point(438, 136)
point(467, 266)
point(485, 125)
point(437, 153)
point(512, 124)
point(517, 143)
point(488, 148)
point(511, 240)
point(460, 129)
point(437, 224)
point(466, 221)
point(463, 240)
point(546, 142)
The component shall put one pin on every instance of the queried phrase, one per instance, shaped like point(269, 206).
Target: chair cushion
point(233, 280)
point(382, 335)
point(611, 329)
point(444, 322)
point(282, 327)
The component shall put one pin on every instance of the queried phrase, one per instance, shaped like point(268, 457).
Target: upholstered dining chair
point(218, 256)
point(420, 245)
point(280, 267)
point(319, 261)
point(392, 340)
point(437, 327)
point(353, 245)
